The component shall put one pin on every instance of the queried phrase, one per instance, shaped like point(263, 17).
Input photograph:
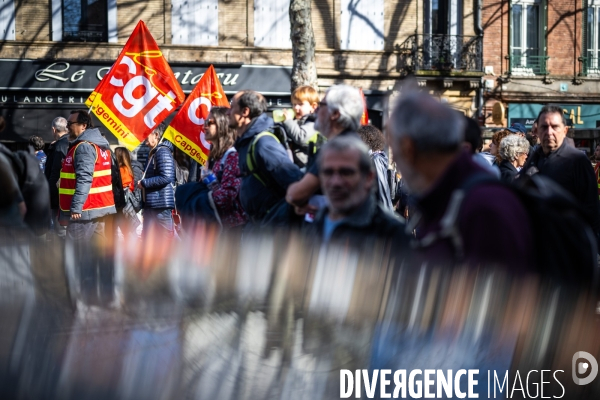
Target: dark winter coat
point(571, 169)
point(273, 164)
point(508, 172)
point(369, 223)
point(56, 153)
point(160, 177)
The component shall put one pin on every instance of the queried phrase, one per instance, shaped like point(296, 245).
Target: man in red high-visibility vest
point(85, 187)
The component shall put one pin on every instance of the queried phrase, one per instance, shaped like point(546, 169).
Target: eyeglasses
point(69, 123)
point(211, 122)
point(342, 172)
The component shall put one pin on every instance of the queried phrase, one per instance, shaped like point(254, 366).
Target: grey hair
point(432, 126)
point(60, 124)
point(348, 102)
point(160, 129)
point(344, 143)
point(513, 145)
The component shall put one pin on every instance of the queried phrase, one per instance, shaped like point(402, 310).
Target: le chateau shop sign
point(71, 81)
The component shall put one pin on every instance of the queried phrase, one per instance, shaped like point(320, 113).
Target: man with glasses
point(86, 200)
point(85, 190)
point(347, 178)
point(338, 114)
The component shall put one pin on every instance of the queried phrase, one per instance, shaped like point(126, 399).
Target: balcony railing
point(446, 53)
point(92, 33)
point(590, 66)
point(526, 65)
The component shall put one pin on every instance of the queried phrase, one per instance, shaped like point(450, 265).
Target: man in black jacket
point(566, 165)
point(56, 153)
point(347, 179)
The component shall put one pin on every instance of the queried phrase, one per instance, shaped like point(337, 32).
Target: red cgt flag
point(138, 92)
point(364, 120)
point(187, 128)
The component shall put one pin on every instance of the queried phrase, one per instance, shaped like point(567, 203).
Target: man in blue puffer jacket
point(158, 185)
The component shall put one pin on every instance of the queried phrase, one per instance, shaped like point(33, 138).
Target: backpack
point(181, 174)
point(565, 247)
point(117, 183)
point(281, 213)
point(34, 189)
point(252, 164)
point(136, 196)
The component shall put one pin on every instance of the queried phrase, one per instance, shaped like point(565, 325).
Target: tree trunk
point(304, 70)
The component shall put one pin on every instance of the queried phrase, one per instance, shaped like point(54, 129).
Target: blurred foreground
point(269, 318)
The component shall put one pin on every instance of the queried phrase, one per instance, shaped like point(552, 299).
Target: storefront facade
point(33, 93)
point(579, 116)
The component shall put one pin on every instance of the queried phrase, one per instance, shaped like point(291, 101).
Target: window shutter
point(362, 25)
point(111, 20)
point(544, 19)
point(57, 25)
point(272, 23)
point(584, 31)
point(7, 20)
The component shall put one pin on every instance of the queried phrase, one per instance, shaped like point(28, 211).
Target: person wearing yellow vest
point(85, 186)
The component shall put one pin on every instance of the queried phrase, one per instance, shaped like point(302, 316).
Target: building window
point(272, 23)
point(443, 17)
point(195, 22)
point(443, 45)
point(527, 52)
point(592, 38)
point(7, 20)
point(85, 20)
point(362, 25)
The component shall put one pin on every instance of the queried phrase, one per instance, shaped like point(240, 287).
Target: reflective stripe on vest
point(100, 194)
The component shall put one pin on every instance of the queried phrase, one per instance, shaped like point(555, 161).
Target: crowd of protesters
point(427, 189)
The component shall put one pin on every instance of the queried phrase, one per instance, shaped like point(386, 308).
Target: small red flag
point(364, 119)
point(187, 128)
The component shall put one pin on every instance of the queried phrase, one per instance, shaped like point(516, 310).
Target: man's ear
point(334, 115)
point(407, 150)
point(467, 146)
point(245, 112)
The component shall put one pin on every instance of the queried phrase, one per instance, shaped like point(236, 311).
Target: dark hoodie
point(84, 161)
point(274, 168)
